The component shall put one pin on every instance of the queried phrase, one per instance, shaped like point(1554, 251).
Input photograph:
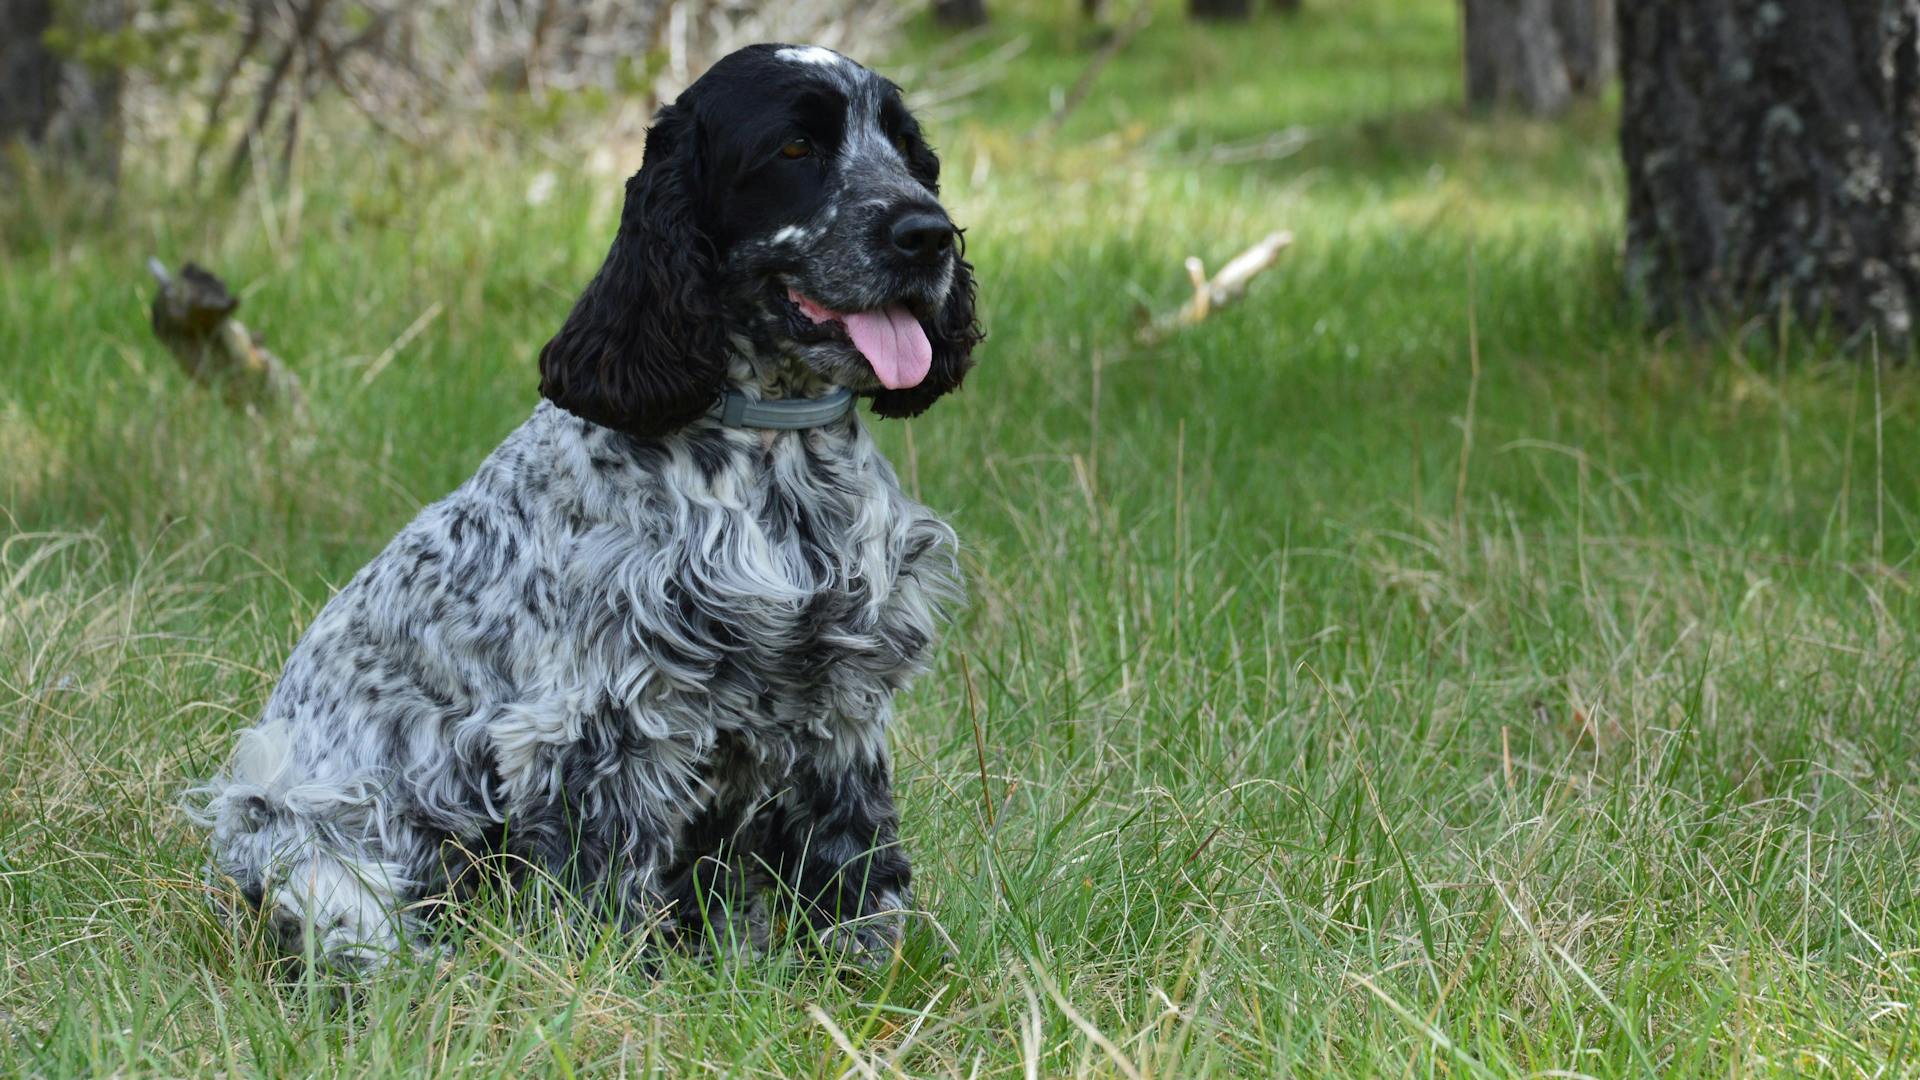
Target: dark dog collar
point(782, 414)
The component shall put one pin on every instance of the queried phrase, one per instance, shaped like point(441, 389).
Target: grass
point(1417, 669)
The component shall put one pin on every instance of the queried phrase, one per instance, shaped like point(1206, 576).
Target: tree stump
point(192, 316)
point(1772, 150)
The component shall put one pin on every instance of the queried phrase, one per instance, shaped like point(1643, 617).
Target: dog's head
point(788, 205)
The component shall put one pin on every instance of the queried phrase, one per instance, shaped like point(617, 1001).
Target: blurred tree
point(29, 70)
point(50, 96)
point(1537, 54)
point(960, 13)
point(1220, 9)
point(1588, 43)
point(1772, 150)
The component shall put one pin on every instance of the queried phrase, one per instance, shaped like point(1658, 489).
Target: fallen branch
point(1220, 290)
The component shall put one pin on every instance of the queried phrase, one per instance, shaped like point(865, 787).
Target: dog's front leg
point(833, 837)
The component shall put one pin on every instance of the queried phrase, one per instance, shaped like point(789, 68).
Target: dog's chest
point(845, 551)
point(788, 582)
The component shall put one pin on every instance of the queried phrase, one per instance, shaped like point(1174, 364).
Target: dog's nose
point(922, 236)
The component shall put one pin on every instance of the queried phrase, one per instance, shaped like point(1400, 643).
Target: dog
point(649, 650)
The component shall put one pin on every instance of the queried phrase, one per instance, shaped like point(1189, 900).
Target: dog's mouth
point(889, 338)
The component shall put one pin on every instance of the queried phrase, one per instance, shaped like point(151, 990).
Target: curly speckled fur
point(648, 655)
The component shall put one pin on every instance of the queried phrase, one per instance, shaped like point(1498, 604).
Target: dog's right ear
point(644, 350)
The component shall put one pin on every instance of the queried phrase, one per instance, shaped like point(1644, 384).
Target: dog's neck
point(755, 376)
point(775, 378)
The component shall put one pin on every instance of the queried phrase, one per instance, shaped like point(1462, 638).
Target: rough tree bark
point(1772, 150)
point(1220, 9)
point(960, 13)
point(1537, 55)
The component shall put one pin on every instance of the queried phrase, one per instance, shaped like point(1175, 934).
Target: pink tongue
point(893, 342)
point(890, 338)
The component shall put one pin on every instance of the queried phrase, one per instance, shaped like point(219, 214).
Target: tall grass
point(1417, 668)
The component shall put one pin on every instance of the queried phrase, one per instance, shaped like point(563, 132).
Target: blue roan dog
point(650, 648)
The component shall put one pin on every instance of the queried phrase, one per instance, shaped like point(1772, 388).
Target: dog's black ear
point(644, 350)
point(953, 332)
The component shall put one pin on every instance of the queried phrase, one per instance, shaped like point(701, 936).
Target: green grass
point(1348, 706)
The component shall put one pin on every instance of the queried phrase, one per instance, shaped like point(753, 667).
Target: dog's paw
point(862, 944)
point(743, 929)
point(873, 940)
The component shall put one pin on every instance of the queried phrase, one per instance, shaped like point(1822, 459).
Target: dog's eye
point(900, 144)
point(797, 149)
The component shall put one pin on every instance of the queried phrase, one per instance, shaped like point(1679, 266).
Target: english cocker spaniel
point(649, 650)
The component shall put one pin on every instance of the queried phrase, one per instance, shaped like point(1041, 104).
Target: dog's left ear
point(644, 350)
point(953, 332)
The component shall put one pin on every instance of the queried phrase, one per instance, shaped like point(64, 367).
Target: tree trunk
point(1537, 55)
point(66, 109)
point(1220, 9)
point(960, 13)
point(29, 71)
point(1587, 43)
point(1772, 150)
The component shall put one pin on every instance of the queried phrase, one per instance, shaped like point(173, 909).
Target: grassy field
point(1417, 669)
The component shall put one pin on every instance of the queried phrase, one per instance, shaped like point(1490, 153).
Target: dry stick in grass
point(1506, 756)
point(1223, 288)
point(413, 330)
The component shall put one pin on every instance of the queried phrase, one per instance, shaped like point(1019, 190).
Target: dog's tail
point(301, 856)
